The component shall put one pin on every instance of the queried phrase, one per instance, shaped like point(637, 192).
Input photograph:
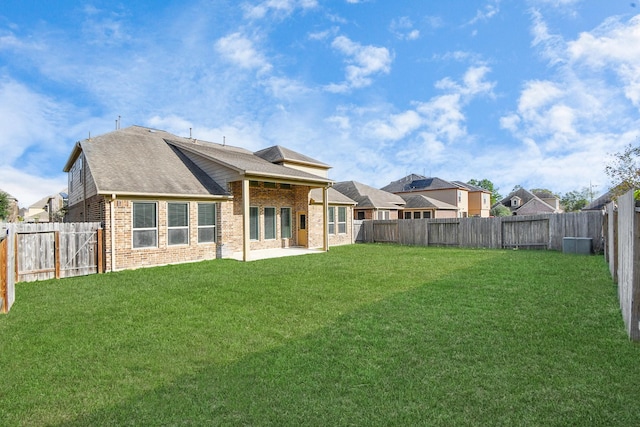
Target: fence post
point(56, 252)
point(99, 250)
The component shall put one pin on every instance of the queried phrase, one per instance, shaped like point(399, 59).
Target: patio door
point(302, 229)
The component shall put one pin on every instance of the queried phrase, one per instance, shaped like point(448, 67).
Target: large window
point(206, 222)
point(269, 223)
point(285, 223)
point(254, 223)
point(145, 225)
point(178, 223)
point(332, 220)
point(342, 220)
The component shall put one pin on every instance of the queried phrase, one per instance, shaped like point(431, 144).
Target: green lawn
point(361, 335)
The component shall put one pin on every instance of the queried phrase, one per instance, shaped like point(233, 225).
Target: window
point(416, 215)
point(285, 223)
point(206, 222)
point(269, 185)
point(360, 214)
point(407, 215)
point(332, 220)
point(269, 223)
point(285, 186)
point(178, 223)
point(383, 215)
point(342, 220)
point(145, 225)
point(459, 196)
point(254, 223)
point(254, 184)
point(426, 214)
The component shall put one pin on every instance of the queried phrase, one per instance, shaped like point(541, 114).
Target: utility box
point(577, 245)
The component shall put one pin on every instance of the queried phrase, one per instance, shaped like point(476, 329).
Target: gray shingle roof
point(143, 161)
point(416, 182)
point(137, 160)
point(419, 201)
point(243, 161)
point(369, 197)
point(335, 197)
point(279, 154)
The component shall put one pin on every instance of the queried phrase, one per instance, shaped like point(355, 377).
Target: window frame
point(208, 226)
point(135, 230)
point(331, 220)
point(254, 222)
point(270, 224)
point(283, 226)
point(183, 228)
point(342, 222)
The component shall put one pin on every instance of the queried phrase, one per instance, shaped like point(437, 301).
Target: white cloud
point(362, 63)
point(403, 29)
point(568, 122)
point(614, 45)
point(240, 50)
point(489, 11)
point(279, 7)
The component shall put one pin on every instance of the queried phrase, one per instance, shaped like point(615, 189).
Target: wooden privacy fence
point(524, 232)
point(40, 251)
point(622, 252)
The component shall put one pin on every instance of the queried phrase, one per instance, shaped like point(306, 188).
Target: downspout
point(246, 241)
point(325, 222)
point(112, 225)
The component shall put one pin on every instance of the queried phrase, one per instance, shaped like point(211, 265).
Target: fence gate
point(46, 253)
point(526, 234)
point(4, 305)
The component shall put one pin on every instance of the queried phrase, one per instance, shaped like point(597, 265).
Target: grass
point(361, 335)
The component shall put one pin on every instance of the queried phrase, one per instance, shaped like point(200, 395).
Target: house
point(340, 215)
point(371, 202)
point(420, 206)
point(435, 188)
point(12, 209)
point(479, 200)
point(48, 209)
point(166, 199)
point(524, 202)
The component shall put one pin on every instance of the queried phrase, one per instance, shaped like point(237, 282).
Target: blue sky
point(536, 93)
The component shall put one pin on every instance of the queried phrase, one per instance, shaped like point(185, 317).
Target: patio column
point(246, 220)
point(325, 222)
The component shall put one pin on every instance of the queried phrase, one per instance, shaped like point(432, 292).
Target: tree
point(487, 185)
point(500, 210)
point(544, 192)
point(574, 201)
point(624, 170)
point(4, 205)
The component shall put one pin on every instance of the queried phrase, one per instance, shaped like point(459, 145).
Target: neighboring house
point(372, 203)
point(340, 215)
point(600, 203)
point(166, 199)
point(524, 202)
point(13, 209)
point(435, 188)
point(479, 200)
point(48, 209)
point(419, 206)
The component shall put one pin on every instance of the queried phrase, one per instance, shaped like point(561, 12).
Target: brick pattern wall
point(296, 198)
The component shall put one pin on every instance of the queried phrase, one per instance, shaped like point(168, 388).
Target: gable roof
point(531, 204)
point(414, 182)
point(279, 154)
point(244, 161)
point(335, 197)
point(471, 187)
point(369, 197)
point(143, 161)
point(420, 201)
point(137, 161)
